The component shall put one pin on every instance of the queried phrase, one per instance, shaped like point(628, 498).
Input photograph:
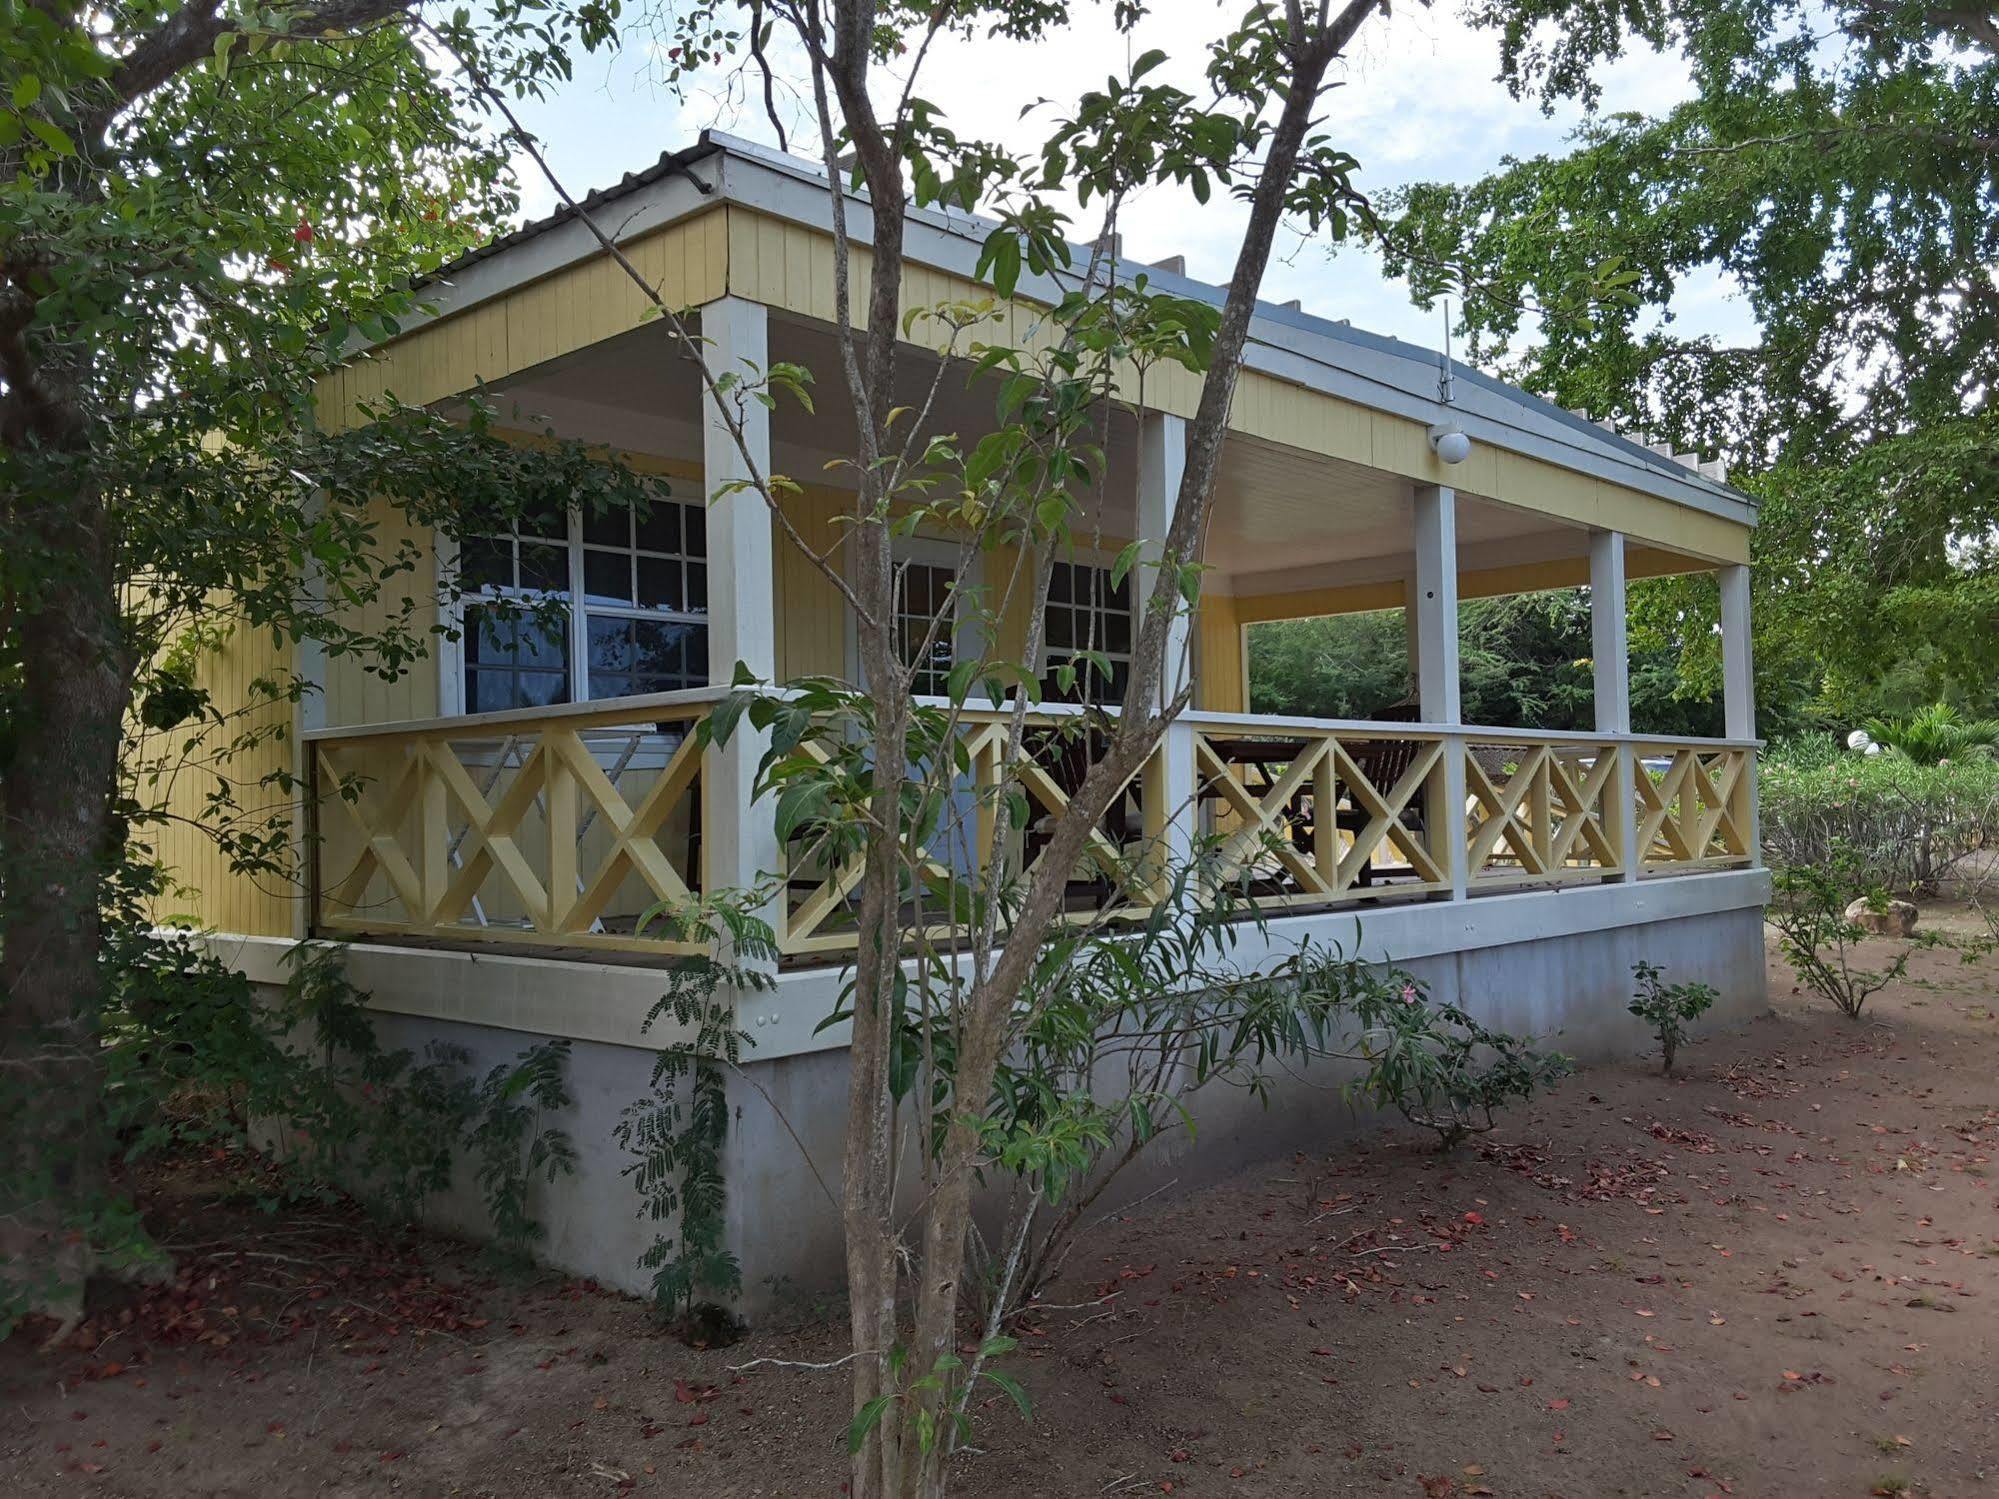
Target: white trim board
point(608, 1002)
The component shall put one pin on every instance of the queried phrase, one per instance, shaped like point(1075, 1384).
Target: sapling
point(1669, 1008)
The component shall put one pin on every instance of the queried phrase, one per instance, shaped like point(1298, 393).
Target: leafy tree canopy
point(1836, 162)
point(1524, 662)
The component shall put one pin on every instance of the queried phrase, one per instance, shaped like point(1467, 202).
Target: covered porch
point(568, 827)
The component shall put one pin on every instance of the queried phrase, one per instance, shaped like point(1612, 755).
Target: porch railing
point(575, 826)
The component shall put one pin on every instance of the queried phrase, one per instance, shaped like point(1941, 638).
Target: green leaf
point(1124, 562)
point(51, 135)
point(27, 89)
point(865, 1421)
point(1014, 1392)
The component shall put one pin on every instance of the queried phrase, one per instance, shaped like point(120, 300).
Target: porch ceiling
point(1284, 518)
point(1279, 510)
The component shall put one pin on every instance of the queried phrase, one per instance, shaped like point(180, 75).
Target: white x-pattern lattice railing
point(575, 827)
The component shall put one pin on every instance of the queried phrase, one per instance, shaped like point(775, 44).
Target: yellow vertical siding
point(204, 887)
point(1219, 686)
point(811, 615)
point(357, 695)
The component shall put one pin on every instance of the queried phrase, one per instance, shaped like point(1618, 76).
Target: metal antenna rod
point(1446, 392)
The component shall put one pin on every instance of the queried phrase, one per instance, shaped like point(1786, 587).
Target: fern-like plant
point(1932, 735)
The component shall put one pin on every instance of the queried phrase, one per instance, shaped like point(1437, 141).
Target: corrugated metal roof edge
point(669, 163)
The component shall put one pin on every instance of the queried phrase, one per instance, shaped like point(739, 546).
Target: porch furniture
point(1383, 762)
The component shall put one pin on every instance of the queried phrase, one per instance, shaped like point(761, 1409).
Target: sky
point(1417, 101)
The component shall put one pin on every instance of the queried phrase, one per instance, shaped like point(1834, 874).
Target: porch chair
point(1383, 762)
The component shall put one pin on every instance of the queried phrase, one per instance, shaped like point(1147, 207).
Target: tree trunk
point(58, 839)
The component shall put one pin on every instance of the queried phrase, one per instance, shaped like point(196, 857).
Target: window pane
point(485, 562)
point(661, 652)
point(1116, 630)
point(489, 691)
point(610, 647)
point(494, 690)
point(697, 588)
point(552, 524)
point(693, 655)
point(610, 528)
point(695, 519)
point(541, 642)
point(542, 689)
point(1058, 632)
point(645, 655)
point(544, 567)
point(659, 584)
point(659, 531)
point(488, 637)
point(1058, 584)
point(607, 576)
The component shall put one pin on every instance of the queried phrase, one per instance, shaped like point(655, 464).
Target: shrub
point(1669, 1008)
point(1903, 826)
point(677, 1131)
point(194, 1055)
point(1819, 939)
point(1127, 1024)
point(1439, 1067)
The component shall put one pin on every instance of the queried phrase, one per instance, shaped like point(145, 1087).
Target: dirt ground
point(1772, 1275)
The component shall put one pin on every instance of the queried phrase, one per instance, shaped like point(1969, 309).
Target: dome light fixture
point(1448, 442)
point(1447, 438)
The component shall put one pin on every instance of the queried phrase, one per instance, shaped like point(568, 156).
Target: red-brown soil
point(1776, 1274)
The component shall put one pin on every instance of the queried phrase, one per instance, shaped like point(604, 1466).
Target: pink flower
point(1409, 994)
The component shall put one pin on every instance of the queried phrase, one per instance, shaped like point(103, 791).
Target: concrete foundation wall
point(1570, 991)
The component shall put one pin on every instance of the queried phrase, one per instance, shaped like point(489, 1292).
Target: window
point(1087, 612)
point(643, 582)
point(514, 658)
point(925, 594)
point(645, 598)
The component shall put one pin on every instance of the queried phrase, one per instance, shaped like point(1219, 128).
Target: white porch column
point(1610, 654)
point(1738, 674)
point(1738, 696)
point(1171, 811)
point(1437, 685)
point(739, 841)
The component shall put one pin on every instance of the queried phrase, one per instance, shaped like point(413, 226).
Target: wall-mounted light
point(1448, 442)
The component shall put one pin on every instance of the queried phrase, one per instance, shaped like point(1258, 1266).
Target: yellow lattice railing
point(1305, 815)
point(1698, 808)
point(1540, 813)
point(1119, 867)
point(565, 828)
point(572, 827)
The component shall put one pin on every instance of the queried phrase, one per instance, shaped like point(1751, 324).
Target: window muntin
point(642, 627)
point(1087, 612)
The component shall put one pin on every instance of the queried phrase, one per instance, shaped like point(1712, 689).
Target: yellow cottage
point(528, 798)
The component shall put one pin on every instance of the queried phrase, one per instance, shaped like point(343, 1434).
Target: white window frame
point(967, 636)
point(451, 652)
point(1102, 561)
